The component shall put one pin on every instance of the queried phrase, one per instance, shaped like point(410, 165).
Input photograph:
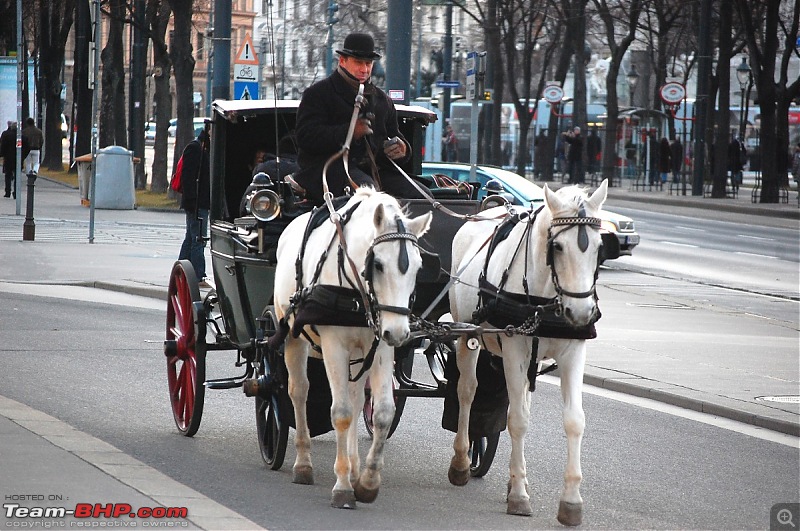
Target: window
point(200, 48)
point(295, 58)
point(310, 58)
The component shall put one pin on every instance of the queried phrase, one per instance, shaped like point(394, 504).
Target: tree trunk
point(723, 120)
point(183, 66)
point(55, 23)
point(112, 108)
point(158, 13)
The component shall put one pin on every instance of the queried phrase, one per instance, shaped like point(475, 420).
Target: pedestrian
point(676, 157)
point(664, 156)
point(195, 202)
point(323, 119)
point(594, 149)
point(652, 148)
point(539, 154)
point(575, 155)
point(8, 150)
point(796, 164)
point(449, 144)
point(32, 142)
point(737, 157)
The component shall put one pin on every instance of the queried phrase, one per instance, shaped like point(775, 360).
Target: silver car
point(521, 191)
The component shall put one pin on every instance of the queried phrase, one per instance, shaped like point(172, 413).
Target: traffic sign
point(553, 94)
point(448, 84)
point(397, 94)
point(672, 93)
point(245, 90)
point(246, 54)
point(245, 72)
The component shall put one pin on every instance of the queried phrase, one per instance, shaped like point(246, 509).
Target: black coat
point(8, 149)
point(323, 119)
point(196, 166)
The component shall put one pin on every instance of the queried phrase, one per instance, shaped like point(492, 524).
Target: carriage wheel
point(273, 431)
point(185, 348)
point(406, 364)
point(273, 434)
point(482, 450)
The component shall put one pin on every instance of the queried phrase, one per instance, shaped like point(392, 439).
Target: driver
point(323, 120)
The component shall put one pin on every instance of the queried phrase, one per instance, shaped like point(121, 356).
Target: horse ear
point(599, 196)
point(554, 204)
point(420, 224)
point(379, 217)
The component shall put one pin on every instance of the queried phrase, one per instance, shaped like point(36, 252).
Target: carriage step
point(226, 383)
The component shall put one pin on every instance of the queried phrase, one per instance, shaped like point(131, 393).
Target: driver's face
point(361, 69)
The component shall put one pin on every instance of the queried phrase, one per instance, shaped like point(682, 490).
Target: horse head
point(573, 245)
point(390, 267)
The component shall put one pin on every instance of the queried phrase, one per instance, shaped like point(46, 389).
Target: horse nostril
point(387, 336)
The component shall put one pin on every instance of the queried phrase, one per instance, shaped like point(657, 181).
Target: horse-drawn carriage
point(386, 270)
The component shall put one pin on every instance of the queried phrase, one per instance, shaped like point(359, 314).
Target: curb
point(702, 406)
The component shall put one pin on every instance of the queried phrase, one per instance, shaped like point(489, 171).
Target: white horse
point(553, 255)
point(380, 246)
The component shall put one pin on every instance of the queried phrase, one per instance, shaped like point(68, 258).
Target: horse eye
point(378, 267)
point(557, 247)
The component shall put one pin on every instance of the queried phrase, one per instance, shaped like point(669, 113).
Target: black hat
point(360, 45)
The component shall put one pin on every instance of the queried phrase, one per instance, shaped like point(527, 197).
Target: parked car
point(64, 126)
point(197, 124)
point(521, 191)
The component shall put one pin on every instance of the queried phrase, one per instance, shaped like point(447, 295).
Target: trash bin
point(84, 163)
point(114, 188)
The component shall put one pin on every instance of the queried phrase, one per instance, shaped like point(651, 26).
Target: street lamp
point(745, 76)
point(633, 80)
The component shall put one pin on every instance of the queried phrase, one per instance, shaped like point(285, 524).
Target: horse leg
point(296, 357)
point(336, 366)
point(571, 365)
point(466, 360)
point(516, 359)
point(356, 390)
point(368, 484)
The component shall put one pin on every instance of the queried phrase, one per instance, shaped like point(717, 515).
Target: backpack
point(176, 183)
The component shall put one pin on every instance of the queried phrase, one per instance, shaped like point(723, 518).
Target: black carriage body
point(244, 277)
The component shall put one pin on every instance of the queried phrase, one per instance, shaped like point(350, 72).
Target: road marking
point(665, 242)
point(756, 255)
point(693, 229)
point(761, 238)
point(705, 418)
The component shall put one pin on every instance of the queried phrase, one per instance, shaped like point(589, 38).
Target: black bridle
point(581, 221)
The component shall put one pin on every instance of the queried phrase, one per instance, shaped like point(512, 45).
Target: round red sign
point(673, 93)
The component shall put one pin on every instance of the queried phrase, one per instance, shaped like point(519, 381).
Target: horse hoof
point(569, 513)
point(459, 478)
point(363, 494)
point(343, 499)
point(520, 507)
point(303, 475)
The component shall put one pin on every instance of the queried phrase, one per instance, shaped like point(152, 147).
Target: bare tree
point(616, 18)
point(723, 120)
point(183, 68)
point(113, 118)
point(768, 35)
point(55, 21)
point(157, 18)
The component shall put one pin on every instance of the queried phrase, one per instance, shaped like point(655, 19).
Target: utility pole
point(447, 60)
point(398, 47)
point(333, 7)
point(221, 88)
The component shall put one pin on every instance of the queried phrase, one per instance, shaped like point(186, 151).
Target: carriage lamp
point(265, 205)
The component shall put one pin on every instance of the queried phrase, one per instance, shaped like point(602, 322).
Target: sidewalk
point(635, 353)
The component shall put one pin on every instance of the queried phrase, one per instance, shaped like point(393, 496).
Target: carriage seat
point(445, 187)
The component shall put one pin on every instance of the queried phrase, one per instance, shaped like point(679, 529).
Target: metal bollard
point(29, 227)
